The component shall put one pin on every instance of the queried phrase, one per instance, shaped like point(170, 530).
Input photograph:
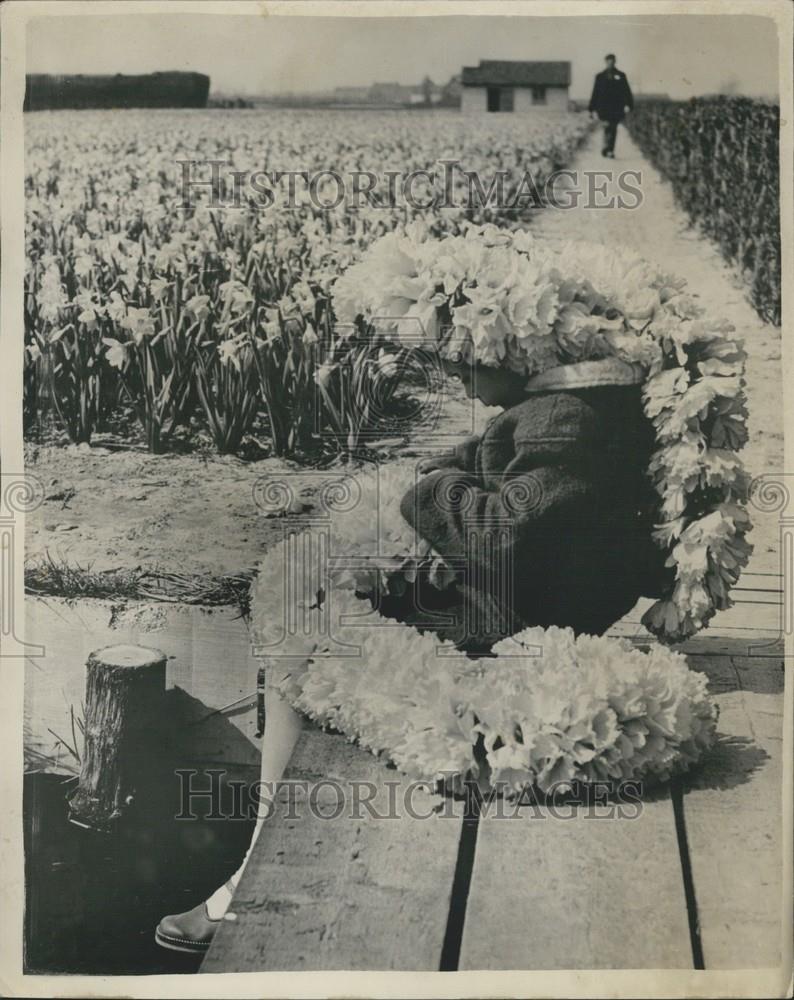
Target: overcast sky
point(681, 55)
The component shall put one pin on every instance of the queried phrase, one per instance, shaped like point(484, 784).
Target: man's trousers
point(610, 133)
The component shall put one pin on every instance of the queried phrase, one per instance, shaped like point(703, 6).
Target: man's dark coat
point(611, 94)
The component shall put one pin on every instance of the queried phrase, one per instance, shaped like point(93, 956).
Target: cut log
point(125, 687)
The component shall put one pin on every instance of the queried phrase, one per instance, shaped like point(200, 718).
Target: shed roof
point(516, 73)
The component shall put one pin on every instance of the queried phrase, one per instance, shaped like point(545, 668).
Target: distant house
point(379, 95)
point(354, 95)
point(502, 85)
point(391, 93)
point(401, 95)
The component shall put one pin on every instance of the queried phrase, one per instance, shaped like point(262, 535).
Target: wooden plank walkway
point(693, 881)
point(753, 625)
point(733, 808)
point(582, 892)
point(356, 891)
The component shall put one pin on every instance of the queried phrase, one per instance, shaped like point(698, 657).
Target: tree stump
point(125, 688)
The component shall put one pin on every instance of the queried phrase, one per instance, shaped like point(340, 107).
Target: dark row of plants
point(721, 156)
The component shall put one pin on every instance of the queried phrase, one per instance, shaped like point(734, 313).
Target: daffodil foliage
point(181, 263)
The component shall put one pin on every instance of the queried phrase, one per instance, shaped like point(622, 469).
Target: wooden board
point(733, 816)
point(355, 892)
point(757, 615)
point(586, 892)
point(732, 641)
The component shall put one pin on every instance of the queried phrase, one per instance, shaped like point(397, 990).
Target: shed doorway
point(500, 98)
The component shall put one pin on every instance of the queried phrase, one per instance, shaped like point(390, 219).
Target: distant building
point(502, 85)
point(222, 101)
point(424, 94)
point(153, 90)
point(419, 96)
point(391, 93)
point(351, 95)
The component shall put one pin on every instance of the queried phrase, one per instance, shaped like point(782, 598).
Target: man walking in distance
point(611, 99)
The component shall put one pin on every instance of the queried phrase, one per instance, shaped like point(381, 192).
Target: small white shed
point(513, 85)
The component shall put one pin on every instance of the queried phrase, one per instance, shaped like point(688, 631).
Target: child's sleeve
point(445, 506)
point(466, 452)
point(462, 457)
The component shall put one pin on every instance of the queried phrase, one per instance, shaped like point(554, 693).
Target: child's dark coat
point(565, 473)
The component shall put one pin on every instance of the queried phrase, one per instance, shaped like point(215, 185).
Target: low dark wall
point(155, 90)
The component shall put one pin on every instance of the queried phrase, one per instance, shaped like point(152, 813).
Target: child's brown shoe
point(191, 931)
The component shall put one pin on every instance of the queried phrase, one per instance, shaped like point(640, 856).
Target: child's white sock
point(281, 734)
point(218, 902)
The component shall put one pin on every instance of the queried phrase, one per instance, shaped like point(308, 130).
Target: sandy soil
point(111, 510)
point(195, 514)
